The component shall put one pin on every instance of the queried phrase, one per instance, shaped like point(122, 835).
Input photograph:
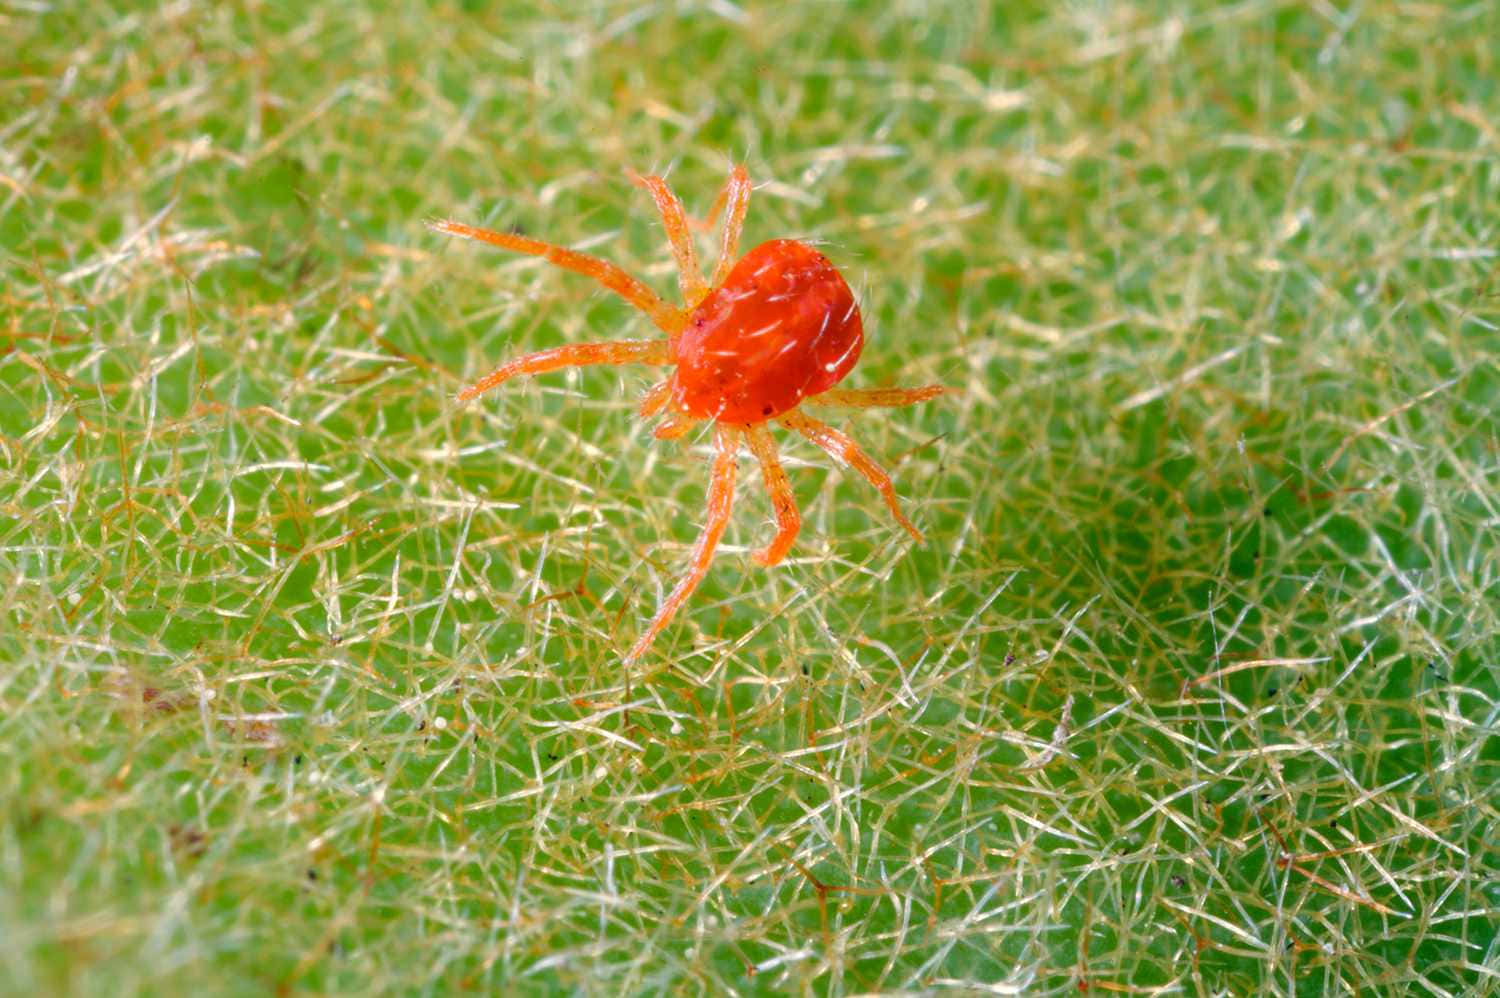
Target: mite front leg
point(668, 319)
point(674, 220)
point(736, 195)
point(573, 355)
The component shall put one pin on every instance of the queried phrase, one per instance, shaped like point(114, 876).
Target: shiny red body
point(781, 327)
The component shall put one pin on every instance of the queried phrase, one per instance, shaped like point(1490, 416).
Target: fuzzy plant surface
point(311, 678)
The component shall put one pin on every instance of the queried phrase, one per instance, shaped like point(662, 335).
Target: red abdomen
point(781, 327)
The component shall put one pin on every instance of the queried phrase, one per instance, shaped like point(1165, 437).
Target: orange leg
point(720, 500)
point(720, 199)
point(845, 451)
point(864, 398)
point(674, 425)
point(655, 399)
point(573, 355)
point(736, 195)
point(788, 520)
point(674, 220)
point(668, 319)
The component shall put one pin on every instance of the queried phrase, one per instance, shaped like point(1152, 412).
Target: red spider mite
point(777, 328)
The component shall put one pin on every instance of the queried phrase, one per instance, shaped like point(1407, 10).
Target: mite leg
point(845, 451)
point(865, 398)
point(674, 220)
point(736, 196)
point(674, 425)
point(720, 500)
point(655, 399)
point(573, 355)
point(720, 199)
point(788, 520)
point(668, 319)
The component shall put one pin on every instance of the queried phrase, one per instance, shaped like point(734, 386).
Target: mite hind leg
point(720, 502)
point(783, 502)
point(842, 448)
point(867, 398)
